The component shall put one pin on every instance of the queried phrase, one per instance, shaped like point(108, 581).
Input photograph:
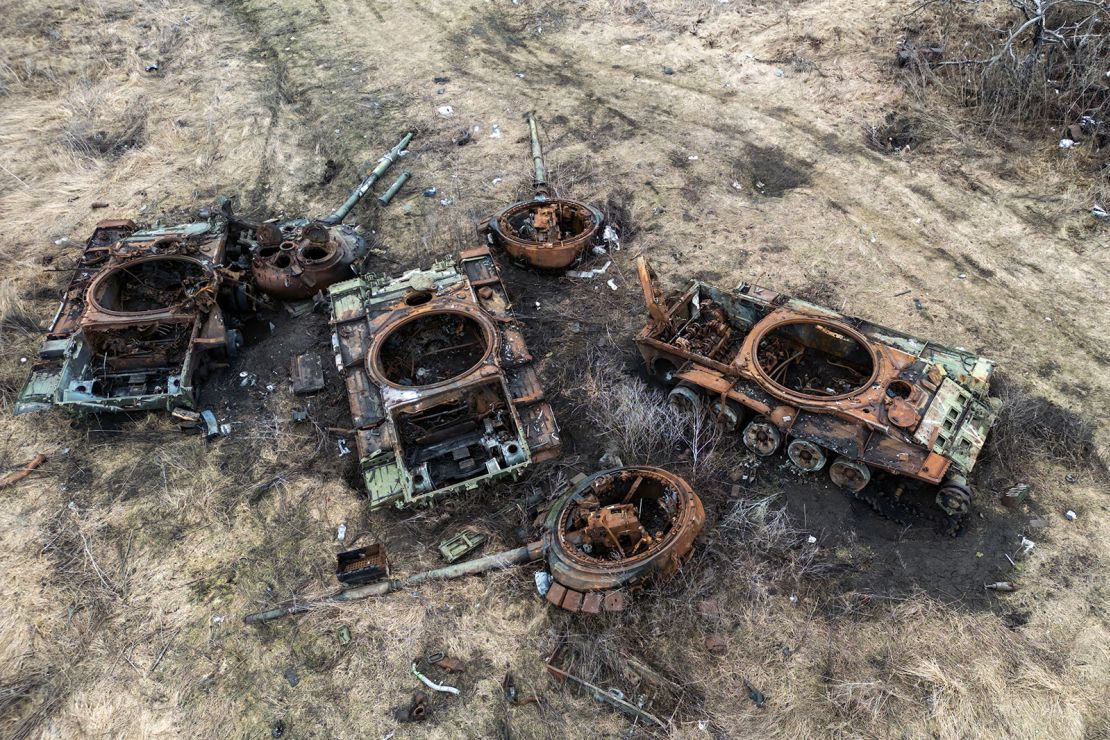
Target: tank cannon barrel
point(539, 179)
point(363, 188)
point(506, 559)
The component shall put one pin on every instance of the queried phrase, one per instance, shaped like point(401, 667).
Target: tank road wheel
point(728, 415)
point(849, 474)
point(808, 457)
point(954, 498)
point(685, 399)
point(762, 437)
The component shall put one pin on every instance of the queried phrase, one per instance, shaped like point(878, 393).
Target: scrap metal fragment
point(362, 565)
point(307, 372)
point(462, 543)
point(10, 479)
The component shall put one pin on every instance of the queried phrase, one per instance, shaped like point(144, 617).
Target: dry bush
point(1032, 432)
point(100, 126)
point(15, 315)
point(1023, 61)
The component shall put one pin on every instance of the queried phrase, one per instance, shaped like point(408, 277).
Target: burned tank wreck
point(546, 232)
point(150, 312)
point(605, 538)
point(146, 313)
point(838, 392)
point(443, 391)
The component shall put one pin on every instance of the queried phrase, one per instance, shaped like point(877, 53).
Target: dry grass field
point(129, 558)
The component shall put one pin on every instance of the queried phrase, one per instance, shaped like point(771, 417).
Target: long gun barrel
point(363, 188)
point(506, 559)
point(539, 179)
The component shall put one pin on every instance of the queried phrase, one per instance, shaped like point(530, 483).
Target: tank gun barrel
point(505, 559)
point(363, 188)
point(539, 179)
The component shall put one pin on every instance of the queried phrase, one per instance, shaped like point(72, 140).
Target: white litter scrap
point(495, 131)
point(446, 111)
point(589, 274)
point(343, 448)
point(543, 582)
point(611, 237)
point(612, 284)
point(432, 684)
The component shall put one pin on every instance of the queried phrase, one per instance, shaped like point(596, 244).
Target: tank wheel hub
point(762, 437)
point(807, 456)
point(954, 499)
point(850, 474)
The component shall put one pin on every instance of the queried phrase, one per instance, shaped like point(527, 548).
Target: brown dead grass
point(131, 556)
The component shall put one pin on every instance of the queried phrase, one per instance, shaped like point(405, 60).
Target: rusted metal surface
point(13, 477)
point(443, 391)
point(859, 394)
point(362, 565)
point(616, 531)
point(546, 232)
point(146, 310)
point(297, 259)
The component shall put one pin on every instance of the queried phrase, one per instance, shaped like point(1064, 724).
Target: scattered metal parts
point(292, 677)
point(462, 543)
point(212, 427)
point(1015, 495)
point(416, 711)
point(447, 663)
point(384, 163)
point(525, 554)
point(545, 232)
point(610, 533)
point(298, 415)
point(432, 684)
point(344, 634)
point(443, 391)
point(307, 372)
point(610, 696)
point(755, 695)
point(362, 565)
point(514, 696)
point(393, 189)
point(1004, 586)
point(13, 477)
point(616, 530)
point(833, 387)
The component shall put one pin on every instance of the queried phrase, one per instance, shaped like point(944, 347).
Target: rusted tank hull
point(442, 388)
point(868, 395)
point(141, 315)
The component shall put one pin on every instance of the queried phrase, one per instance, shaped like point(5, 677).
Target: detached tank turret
point(298, 258)
point(546, 231)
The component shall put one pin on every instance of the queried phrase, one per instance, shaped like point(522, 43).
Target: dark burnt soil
point(568, 321)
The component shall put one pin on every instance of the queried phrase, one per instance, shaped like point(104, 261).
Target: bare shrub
point(100, 127)
point(15, 316)
point(1031, 431)
point(1022, 61)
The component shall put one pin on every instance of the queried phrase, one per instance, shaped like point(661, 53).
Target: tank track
point(897, 510)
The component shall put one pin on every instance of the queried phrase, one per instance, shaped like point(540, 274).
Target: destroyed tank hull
point(143, 315)
point(442, 388)
point(835, 391)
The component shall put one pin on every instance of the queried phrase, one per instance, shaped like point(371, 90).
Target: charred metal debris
point(149, 313)
point(442, 388)
point(546, 232)
point(839, 393)
point(603, 540)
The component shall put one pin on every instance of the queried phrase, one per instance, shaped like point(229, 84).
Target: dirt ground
point(132, 555)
